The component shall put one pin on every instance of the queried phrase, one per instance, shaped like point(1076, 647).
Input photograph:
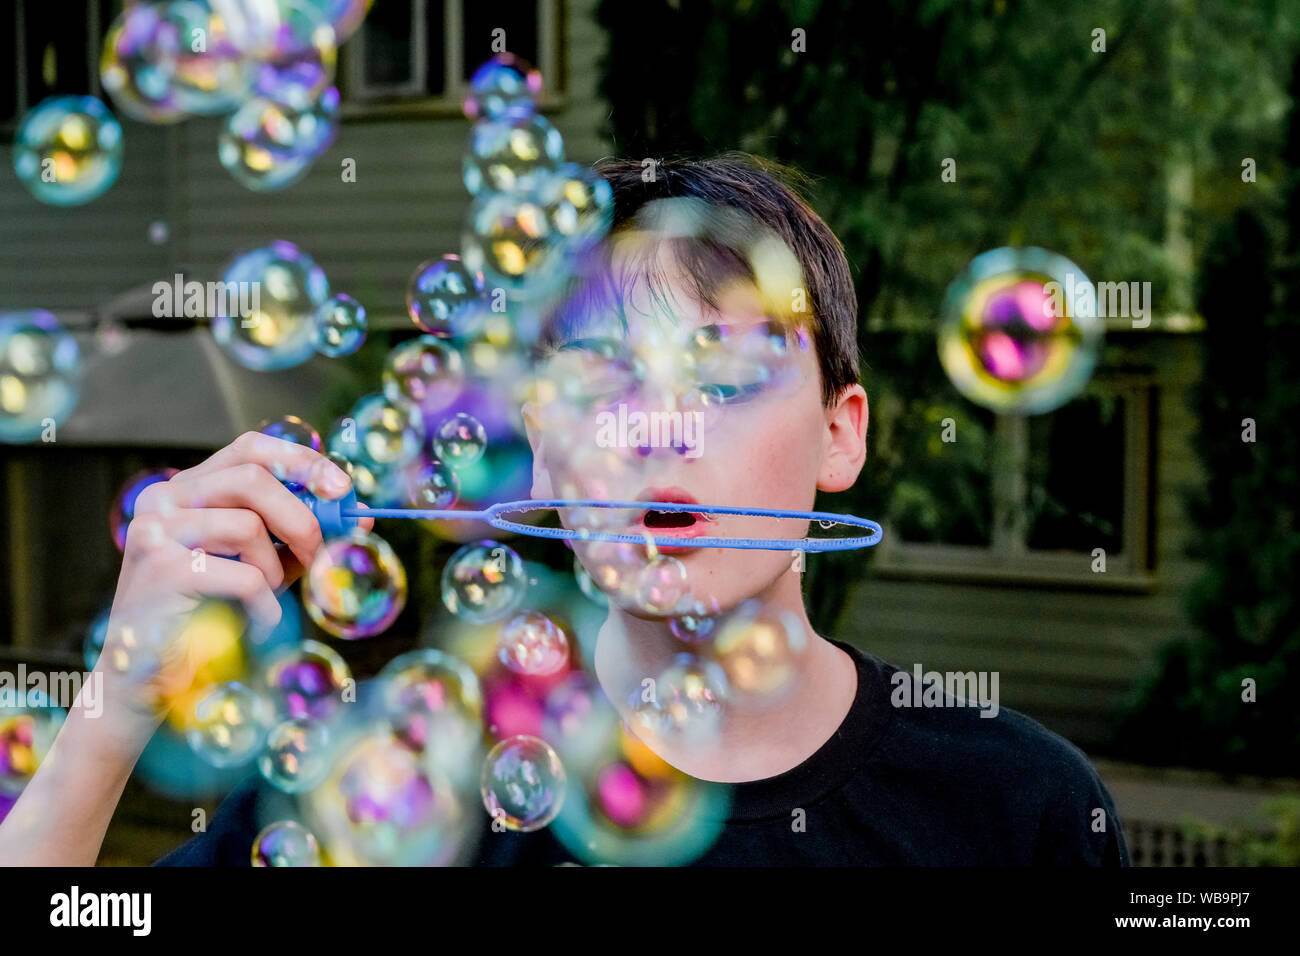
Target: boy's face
point(692, 404)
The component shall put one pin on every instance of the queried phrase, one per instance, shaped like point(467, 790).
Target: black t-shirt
point(894, 786)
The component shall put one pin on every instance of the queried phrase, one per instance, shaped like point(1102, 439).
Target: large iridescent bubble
point(230, 724)
point(68, 150)
point(523, 783)
point(40, 375)
point(339, 326)
point(297, 755)
point(267, 144)
point(306, 681)
point(445, 299)
point(389, 431)
point(278, 288)
point(504, 83)
point(514, 152)
point(296, 59)
point(424, 370)
point(383, 805)
point(356, 586)
point(509, 238)
point(483, 581)
point(1020, 332)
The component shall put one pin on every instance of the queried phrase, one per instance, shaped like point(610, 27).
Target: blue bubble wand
point(337, 516)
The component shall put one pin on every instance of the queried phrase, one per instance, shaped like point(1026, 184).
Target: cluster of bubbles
point(278, 311)
point(266, 65)
point(532, 213)
point(1019, 332)
point(40, 375)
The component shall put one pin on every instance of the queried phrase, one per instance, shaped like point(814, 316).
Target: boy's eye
point(590, 372)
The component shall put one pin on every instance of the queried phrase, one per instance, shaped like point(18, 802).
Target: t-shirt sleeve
point(228, 840)
point(1079, 826)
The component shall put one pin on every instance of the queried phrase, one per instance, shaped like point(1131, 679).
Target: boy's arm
point(230, 504)
point(62, 815)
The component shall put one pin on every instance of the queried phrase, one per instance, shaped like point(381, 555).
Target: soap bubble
point(390, 431)
point(426, 371)
point(460, 440)
point(306, 681)
point(661, 585)
point(229, 725)
point(523, 783)
point(533, 644)
point(509, 238)
point(579, 205)
point(445, 299)
point(267, 144)
point(286, 843)
point(138, 64)
point(383, 805)
point(685, 703)
point(511, 153)
point(291, 428)
point(68, 150)
point(356, 586)
point(123, 509)
point(296, 60)
point(28, 727)
point(155, 70)
point(211, 80)
point(279, 288)
point(40, 374)
point(433, 703)
point(483, 581)
point(339, 326)
point(503, 84)
point(1020, 332)
point(759, 649)
point(297, 755)
point(434, 486)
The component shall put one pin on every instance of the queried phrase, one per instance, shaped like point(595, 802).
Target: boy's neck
point(751, 744)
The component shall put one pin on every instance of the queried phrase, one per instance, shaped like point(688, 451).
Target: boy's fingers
point(164, 568)
point(245, 486)
point(229, 533)
point(285, 460)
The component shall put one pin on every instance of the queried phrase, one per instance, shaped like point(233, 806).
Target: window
point(1030, 499)
point(48, 49)
point(421, 53)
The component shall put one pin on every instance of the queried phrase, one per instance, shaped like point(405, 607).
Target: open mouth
point(681, 524)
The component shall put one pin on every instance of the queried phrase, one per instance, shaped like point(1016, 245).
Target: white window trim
point(360, 102)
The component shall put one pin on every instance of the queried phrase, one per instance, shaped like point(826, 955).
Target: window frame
point(358, 103)
point(1007, 559)
point(96, 27)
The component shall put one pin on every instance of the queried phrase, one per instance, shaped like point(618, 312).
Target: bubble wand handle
point(339, 515)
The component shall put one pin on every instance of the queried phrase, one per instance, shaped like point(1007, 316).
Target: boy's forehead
point(658, 292)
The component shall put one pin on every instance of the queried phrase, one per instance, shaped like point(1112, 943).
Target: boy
point(868, 782)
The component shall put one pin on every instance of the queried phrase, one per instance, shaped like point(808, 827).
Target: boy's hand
point(228, 507)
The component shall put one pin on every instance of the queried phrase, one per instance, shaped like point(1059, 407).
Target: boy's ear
point(541, 476)
point(845, 450)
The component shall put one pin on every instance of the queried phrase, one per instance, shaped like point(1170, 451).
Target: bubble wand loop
point(338, 516)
